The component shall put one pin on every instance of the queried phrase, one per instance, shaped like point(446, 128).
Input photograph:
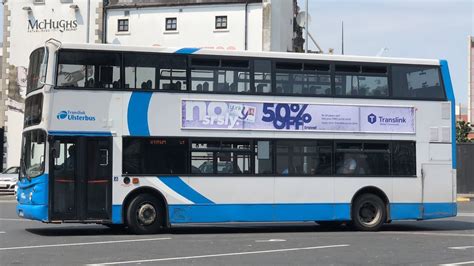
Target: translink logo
point(372, 118)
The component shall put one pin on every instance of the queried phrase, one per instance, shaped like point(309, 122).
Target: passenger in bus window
point(233, 87)
point(199, 87)
point(90, 83)
point(177, 85)
point(69, 162)
point(115, 84)
point(205, 86)
point(349, 166)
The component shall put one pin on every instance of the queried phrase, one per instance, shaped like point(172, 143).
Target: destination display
point(232, 115)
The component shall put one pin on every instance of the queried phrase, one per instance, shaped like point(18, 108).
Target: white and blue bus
point(148, 137)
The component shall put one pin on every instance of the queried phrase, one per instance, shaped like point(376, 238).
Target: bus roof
point(281, 55)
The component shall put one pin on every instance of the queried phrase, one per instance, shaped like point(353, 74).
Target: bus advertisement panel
point(201, 114)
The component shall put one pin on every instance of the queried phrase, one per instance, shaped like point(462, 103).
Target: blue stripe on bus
point(187, 50)
point(137, 114)
point(117, 214)
point(180, 187)
point(80, 133)
point(450, 94)
point(35, 208)
point(439, 210)
point(298, 212)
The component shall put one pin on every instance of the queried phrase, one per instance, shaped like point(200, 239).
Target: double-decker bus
point(148, 137)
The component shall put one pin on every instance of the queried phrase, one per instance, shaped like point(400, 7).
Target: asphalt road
point(444, 241)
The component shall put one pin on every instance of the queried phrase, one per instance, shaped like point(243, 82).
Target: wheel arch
point(376, 191)
point(146, 190)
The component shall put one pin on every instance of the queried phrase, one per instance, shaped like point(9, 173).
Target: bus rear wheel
point(369, 213)
point(145, 215)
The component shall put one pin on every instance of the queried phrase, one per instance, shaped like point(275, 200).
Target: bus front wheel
point(145, 215)
point(368, 213)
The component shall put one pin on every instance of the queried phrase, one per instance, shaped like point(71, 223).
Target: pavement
point(435, 242)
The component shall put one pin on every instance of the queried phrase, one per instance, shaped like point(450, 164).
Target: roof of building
point(172, 3)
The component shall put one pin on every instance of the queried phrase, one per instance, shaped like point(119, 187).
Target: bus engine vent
point(434, 135)
point(446, 111)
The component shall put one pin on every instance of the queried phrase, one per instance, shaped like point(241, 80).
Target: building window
point(171, 23)
point(122, 25)
point(221, 22)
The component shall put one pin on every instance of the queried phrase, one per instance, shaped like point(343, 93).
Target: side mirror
point(56, 149)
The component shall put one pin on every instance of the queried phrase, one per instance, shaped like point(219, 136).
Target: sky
point(432, 29)
point(435, 29)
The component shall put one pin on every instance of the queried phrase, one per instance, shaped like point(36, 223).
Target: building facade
point(27, 25)
point(256, 25)
point(260, 25)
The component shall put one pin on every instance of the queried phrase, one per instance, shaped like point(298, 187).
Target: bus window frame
point(252, 91)
point(274, 173)
point(361, 73)
point(191, 67)
point(302, 71)
point(41, 76)
point(45, 154)
point(442, 84)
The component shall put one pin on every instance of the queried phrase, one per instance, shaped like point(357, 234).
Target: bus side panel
point(307, 199)
point(226, 199)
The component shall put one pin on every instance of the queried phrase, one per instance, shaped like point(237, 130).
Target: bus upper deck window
point(37, 69)
point(419, 82)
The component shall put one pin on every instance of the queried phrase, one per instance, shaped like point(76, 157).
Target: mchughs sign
point(47, 25)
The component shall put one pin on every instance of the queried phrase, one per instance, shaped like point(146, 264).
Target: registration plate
point(3, 186)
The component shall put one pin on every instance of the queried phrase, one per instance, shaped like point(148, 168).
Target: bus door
point(81, 178)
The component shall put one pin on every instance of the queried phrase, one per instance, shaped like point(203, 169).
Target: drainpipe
point(104, 21)
point(246, 24)
point(88, 19)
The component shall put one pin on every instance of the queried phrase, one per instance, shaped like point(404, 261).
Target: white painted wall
point(282, 25)
point(195, 26)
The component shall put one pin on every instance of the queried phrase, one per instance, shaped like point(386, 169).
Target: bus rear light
point(135, 180)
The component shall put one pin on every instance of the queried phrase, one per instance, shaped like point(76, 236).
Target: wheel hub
point(368, 213)
point(146, 214)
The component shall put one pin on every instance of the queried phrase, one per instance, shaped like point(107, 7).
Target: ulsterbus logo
point(372, 118)
point(74, 116)
point(62, 115)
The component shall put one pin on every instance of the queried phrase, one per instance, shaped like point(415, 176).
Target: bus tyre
point(145, 215)
point(368, 213)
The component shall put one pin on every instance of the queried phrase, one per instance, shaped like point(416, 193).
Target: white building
point(221, 24)
point(232, 24)
point(27, 25)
